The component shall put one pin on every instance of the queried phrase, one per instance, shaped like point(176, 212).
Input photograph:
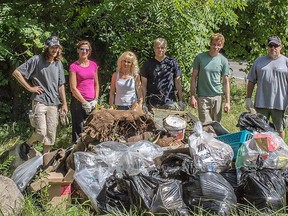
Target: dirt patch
point(116, 125)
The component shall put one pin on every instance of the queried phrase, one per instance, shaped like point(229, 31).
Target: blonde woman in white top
point(125, 88)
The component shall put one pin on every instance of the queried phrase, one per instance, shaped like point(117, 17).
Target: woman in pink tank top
point(84, 86)
point(125, 88)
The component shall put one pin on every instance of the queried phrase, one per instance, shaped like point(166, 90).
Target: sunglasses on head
point(84, 49)
point(273, 45)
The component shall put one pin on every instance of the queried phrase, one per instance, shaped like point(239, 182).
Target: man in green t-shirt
point(209, 70)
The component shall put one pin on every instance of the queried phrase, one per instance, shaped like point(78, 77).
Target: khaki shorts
point(46, 121)
point(210, 109)
point(277, 117)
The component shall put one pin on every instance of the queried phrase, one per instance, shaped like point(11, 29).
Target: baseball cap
point(275, 40)
point(52, 41)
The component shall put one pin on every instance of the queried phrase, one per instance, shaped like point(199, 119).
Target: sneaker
point(24, 151)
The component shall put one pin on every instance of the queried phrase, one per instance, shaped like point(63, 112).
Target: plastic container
point(175, 126)
point(235, 140)
point(179, 134)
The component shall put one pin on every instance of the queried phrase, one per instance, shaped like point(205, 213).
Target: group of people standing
point(155, 85)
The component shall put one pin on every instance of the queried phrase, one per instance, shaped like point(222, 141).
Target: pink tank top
point(85, 78)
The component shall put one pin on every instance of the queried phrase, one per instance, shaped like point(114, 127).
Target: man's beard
point(274, 56)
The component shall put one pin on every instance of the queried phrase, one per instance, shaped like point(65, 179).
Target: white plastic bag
point(26, 171)
point(208, 153)
point(265, 150)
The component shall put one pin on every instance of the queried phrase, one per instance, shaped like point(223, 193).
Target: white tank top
point(125, 91)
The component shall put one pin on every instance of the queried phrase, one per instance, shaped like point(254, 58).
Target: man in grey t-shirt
point(43, 76)
point(270, 73)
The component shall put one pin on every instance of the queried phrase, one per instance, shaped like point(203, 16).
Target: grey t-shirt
point(45, 74)
point(271, 77)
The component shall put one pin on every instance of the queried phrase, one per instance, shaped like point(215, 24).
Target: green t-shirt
point(210, 73)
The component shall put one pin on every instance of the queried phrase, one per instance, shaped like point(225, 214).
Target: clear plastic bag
point(135, 158)
point(92, 169)
point(209, 154)
point(26, 171)
point(265, 150)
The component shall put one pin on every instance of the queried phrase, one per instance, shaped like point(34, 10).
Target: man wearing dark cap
point(43, 76)
point(270, 73)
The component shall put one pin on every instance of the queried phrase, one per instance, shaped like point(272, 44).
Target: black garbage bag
point(157, 195)
point(209, 191)
point(177, 166)
point(231, 176)
point(265, 189)
point(255, 122)
point(285, 176)
point(115, 195)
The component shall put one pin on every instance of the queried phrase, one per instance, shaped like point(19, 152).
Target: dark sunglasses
point(84, 49)
point(273, 45)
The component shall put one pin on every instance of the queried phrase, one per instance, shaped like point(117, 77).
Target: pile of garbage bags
point(116, 177)
point(262, 164)
point(93, 168)
point(165, 191)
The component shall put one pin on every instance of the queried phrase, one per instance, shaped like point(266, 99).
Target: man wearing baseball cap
point(43, 76)
point(270, 73)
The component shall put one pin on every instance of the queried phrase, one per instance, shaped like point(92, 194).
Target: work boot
point(24, 150)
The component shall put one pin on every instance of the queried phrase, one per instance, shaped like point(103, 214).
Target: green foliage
point(5, 167)
point(12, 133)
point(256, 23)
point(237, 91)
point(133, 25)
point(115, 26)
point(37, 205)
